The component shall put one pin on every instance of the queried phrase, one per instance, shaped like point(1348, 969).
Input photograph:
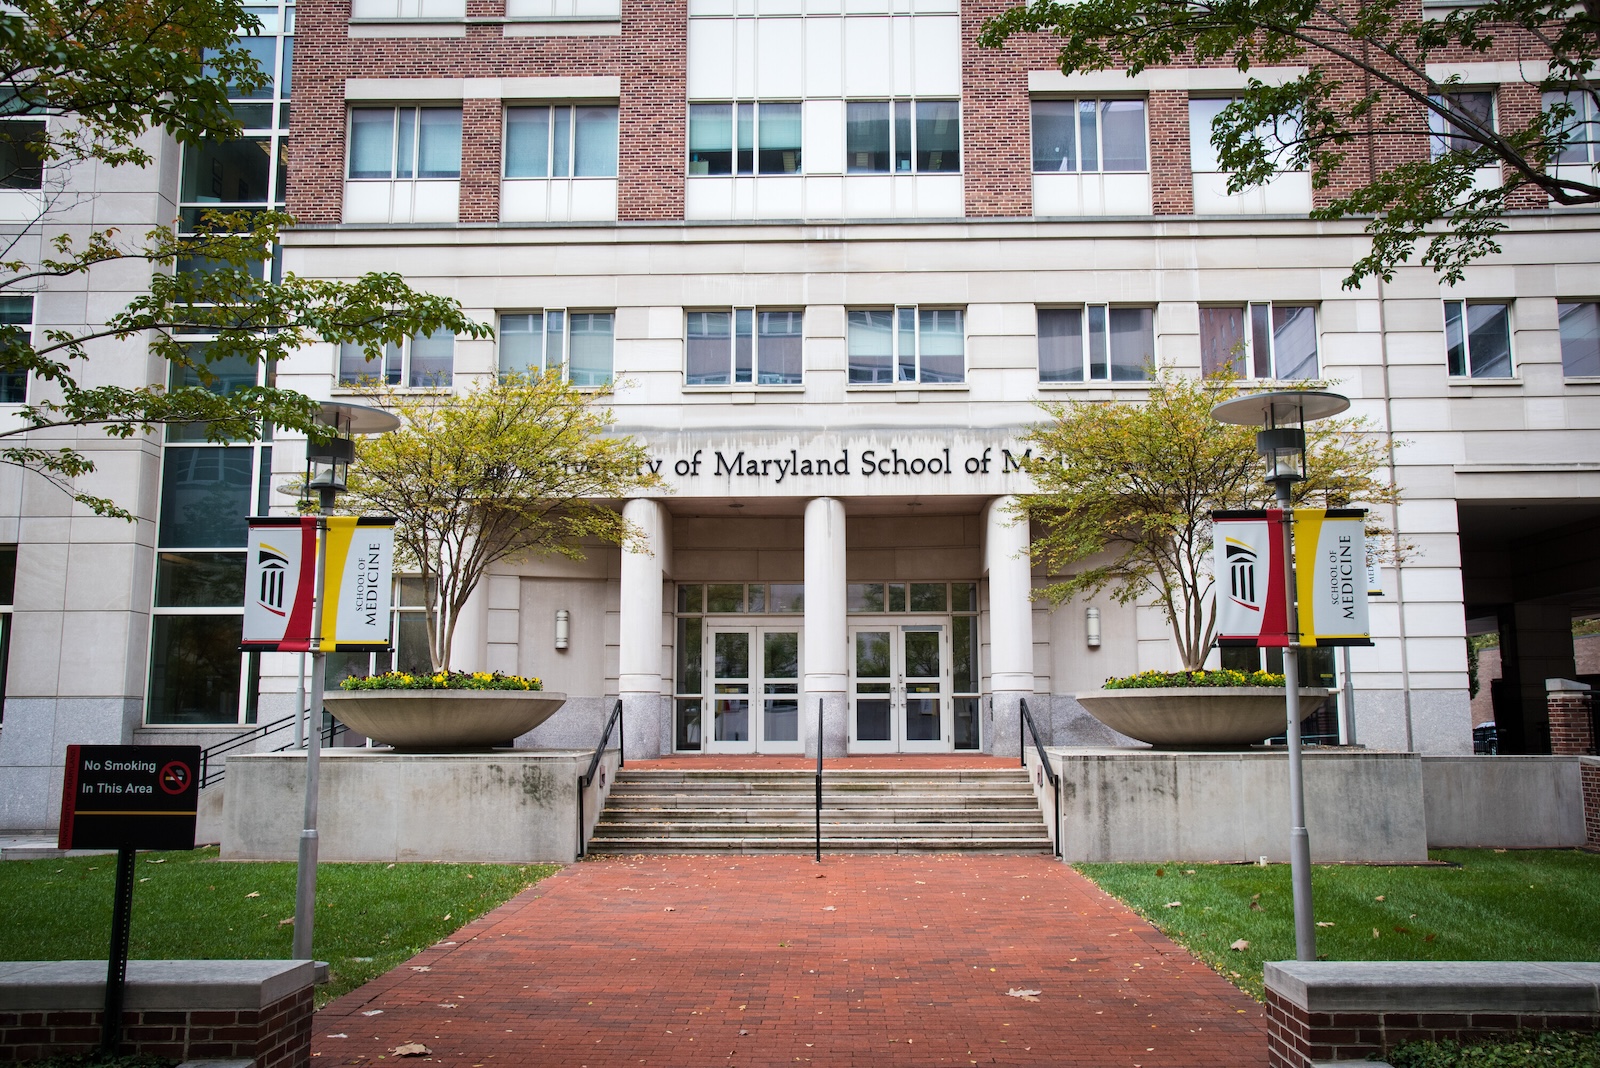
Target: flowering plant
point(440, 680)
point(1149, 680)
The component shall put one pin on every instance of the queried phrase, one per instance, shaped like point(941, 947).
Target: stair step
point(906, 844)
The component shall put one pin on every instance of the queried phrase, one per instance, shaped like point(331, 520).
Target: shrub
point(440, 680)
point(1566, 1048)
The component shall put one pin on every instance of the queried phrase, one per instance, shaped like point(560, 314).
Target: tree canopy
point(1366, 96)
point(1125, 492)
point(521, 465)
point(106, 74)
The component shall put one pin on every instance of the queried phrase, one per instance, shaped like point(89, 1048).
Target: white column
point(1005, 558)
point(827, 650)
point(468, 645)
point(639, 641)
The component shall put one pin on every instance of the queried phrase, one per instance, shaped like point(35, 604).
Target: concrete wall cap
point(1556, 685)
point(1560, 987)
point(152, 984)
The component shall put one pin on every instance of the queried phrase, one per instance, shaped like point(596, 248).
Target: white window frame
point(735, 149)
point(913, 102)
point(563, 362)
point(1463, 318)
point(1246, 358)
point(379, 368)
point(1099, 128)
point(896, 354)
point(1439, 128)
point(395, 111)
point(753, 373)
point(570, 160)
point(1586, 123)
point(1200, 140)
point(1086, 339)
point(1575, 304)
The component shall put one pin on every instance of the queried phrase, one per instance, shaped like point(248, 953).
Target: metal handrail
point(210, 776)
point(586, 780)
point(1024, 725)
point(819, 780)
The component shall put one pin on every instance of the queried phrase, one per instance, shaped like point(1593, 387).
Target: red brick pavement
point(765, 961)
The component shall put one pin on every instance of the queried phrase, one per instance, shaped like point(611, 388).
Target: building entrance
point(900, 698)
point(753, 680)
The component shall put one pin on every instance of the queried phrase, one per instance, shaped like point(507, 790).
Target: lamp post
point(1281, 441)
point(327, 472)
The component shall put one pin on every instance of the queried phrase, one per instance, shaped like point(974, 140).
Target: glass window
point(924, 345)
point(235, 172)
point(882, 136)
point(1473, 107)
point(1580, 129)
point(1203, 112)
point(938, 136)
point(743, 346)
point(1096, 342)
point(1261, 341)
point(561, 140)
point(591, 339)
point(205, 496)
point(1580, 339)
point(200, 580)
point(194, 668)
point(1478, 339)
point(424, 361)
point(405, 143)
point(866, 137)
point(778, 139)
point(527, 148)
point(20, 164)
point(16, 321)
point(1110, 134)
point(710, 138)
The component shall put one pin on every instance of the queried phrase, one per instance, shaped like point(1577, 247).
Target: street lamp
point(328, 473)
point(1281, 441)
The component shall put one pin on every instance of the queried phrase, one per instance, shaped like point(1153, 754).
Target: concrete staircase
point(876, 811)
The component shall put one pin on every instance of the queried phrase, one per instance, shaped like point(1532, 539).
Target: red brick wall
point(1571, 728)
point(1589, 771)
point(654, 117)
point(480, 160)
point(277, 1036)
point(1171, 181)
point(1297, 1039)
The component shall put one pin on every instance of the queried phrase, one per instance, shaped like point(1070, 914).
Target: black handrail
point(819, 780)
point(1024, 724)
point(586, 780)
point(210, 776)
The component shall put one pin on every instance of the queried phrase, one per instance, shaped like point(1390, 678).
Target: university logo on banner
point(1247, 560)
point(280, 583)
point(360, 580)
point(1331, 576)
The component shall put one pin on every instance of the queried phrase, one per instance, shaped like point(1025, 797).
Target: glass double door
point(753, 677)
point(900, 697)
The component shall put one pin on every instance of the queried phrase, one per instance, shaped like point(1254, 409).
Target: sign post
point(127, 797)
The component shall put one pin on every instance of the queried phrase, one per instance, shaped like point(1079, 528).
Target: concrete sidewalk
point(775, 960)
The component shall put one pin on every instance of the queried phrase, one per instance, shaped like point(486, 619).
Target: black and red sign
point(130, 797)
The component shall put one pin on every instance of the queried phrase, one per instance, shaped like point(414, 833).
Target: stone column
point(1571, 720)
point(827, 642)
point(1005, 559)
point(469, 646)
point(644, 709)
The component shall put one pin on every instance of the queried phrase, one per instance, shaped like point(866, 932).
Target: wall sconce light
point(1091, 627)
point(563, 627)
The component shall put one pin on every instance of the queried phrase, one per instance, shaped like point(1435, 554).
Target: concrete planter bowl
point(442, 721)
point(1198, 717)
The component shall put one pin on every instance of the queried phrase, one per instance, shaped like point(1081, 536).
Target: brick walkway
point(752, 961)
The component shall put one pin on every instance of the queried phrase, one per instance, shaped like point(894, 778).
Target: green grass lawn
point(370, 917)
point(1527, 905)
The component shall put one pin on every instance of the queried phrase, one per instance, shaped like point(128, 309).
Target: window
point(743, 345)
point(889, 345)
point(1582, 127)
point(423, 361)
point(16, 321)
point(8, 596)
point(902, 136)
point(1475, 108)
point(561, 141)
point(21, 166)
point(1580, 339)
point(408, 638)
point(1260, 340)
point(1089, 135)
point(767, 141)
point(1096, 343)
point(1203, 112)
point(1478, 339)
point(577, 345)
point(405, 143)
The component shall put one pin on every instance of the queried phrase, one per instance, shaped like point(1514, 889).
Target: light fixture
point(563, 627)
point(328, 462)
point(1091, 627)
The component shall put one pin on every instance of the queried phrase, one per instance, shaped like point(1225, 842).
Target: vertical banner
point(280, 583)
point(359, 582)
point(1331, 576)
point(1247, 560)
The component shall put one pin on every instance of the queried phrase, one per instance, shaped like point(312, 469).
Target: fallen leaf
point(421, 968)
point(287, 922)
point(1375, 933)
point(373, 1012)
point(1173, 905)
point(253, 893)
point(1160, 871)
point(447, 1004)
point(1429, 937)
point(447, 915)
point(669, 908)
point(1401, 930)
point(411, 1049)
point(1188, 871)
point(1025, 995)
point(341, 1034)
point(1240, 945)
point(744, 1032)
point(829, 908)
point(163, 861)
point(1378, 898)
point(1324, 923)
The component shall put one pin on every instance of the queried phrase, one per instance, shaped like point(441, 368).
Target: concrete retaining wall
point(1144, 805)
point(505, 806)
point(1503, 802)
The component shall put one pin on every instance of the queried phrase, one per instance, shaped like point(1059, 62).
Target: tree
point(104, 75)
point(1366, 89)
point(520, 465)
point(1126, 490)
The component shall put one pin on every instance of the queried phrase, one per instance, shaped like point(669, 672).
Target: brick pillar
point(1571, 719)
point(480, 160)
point(1589, 770)
point(1171, 181)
